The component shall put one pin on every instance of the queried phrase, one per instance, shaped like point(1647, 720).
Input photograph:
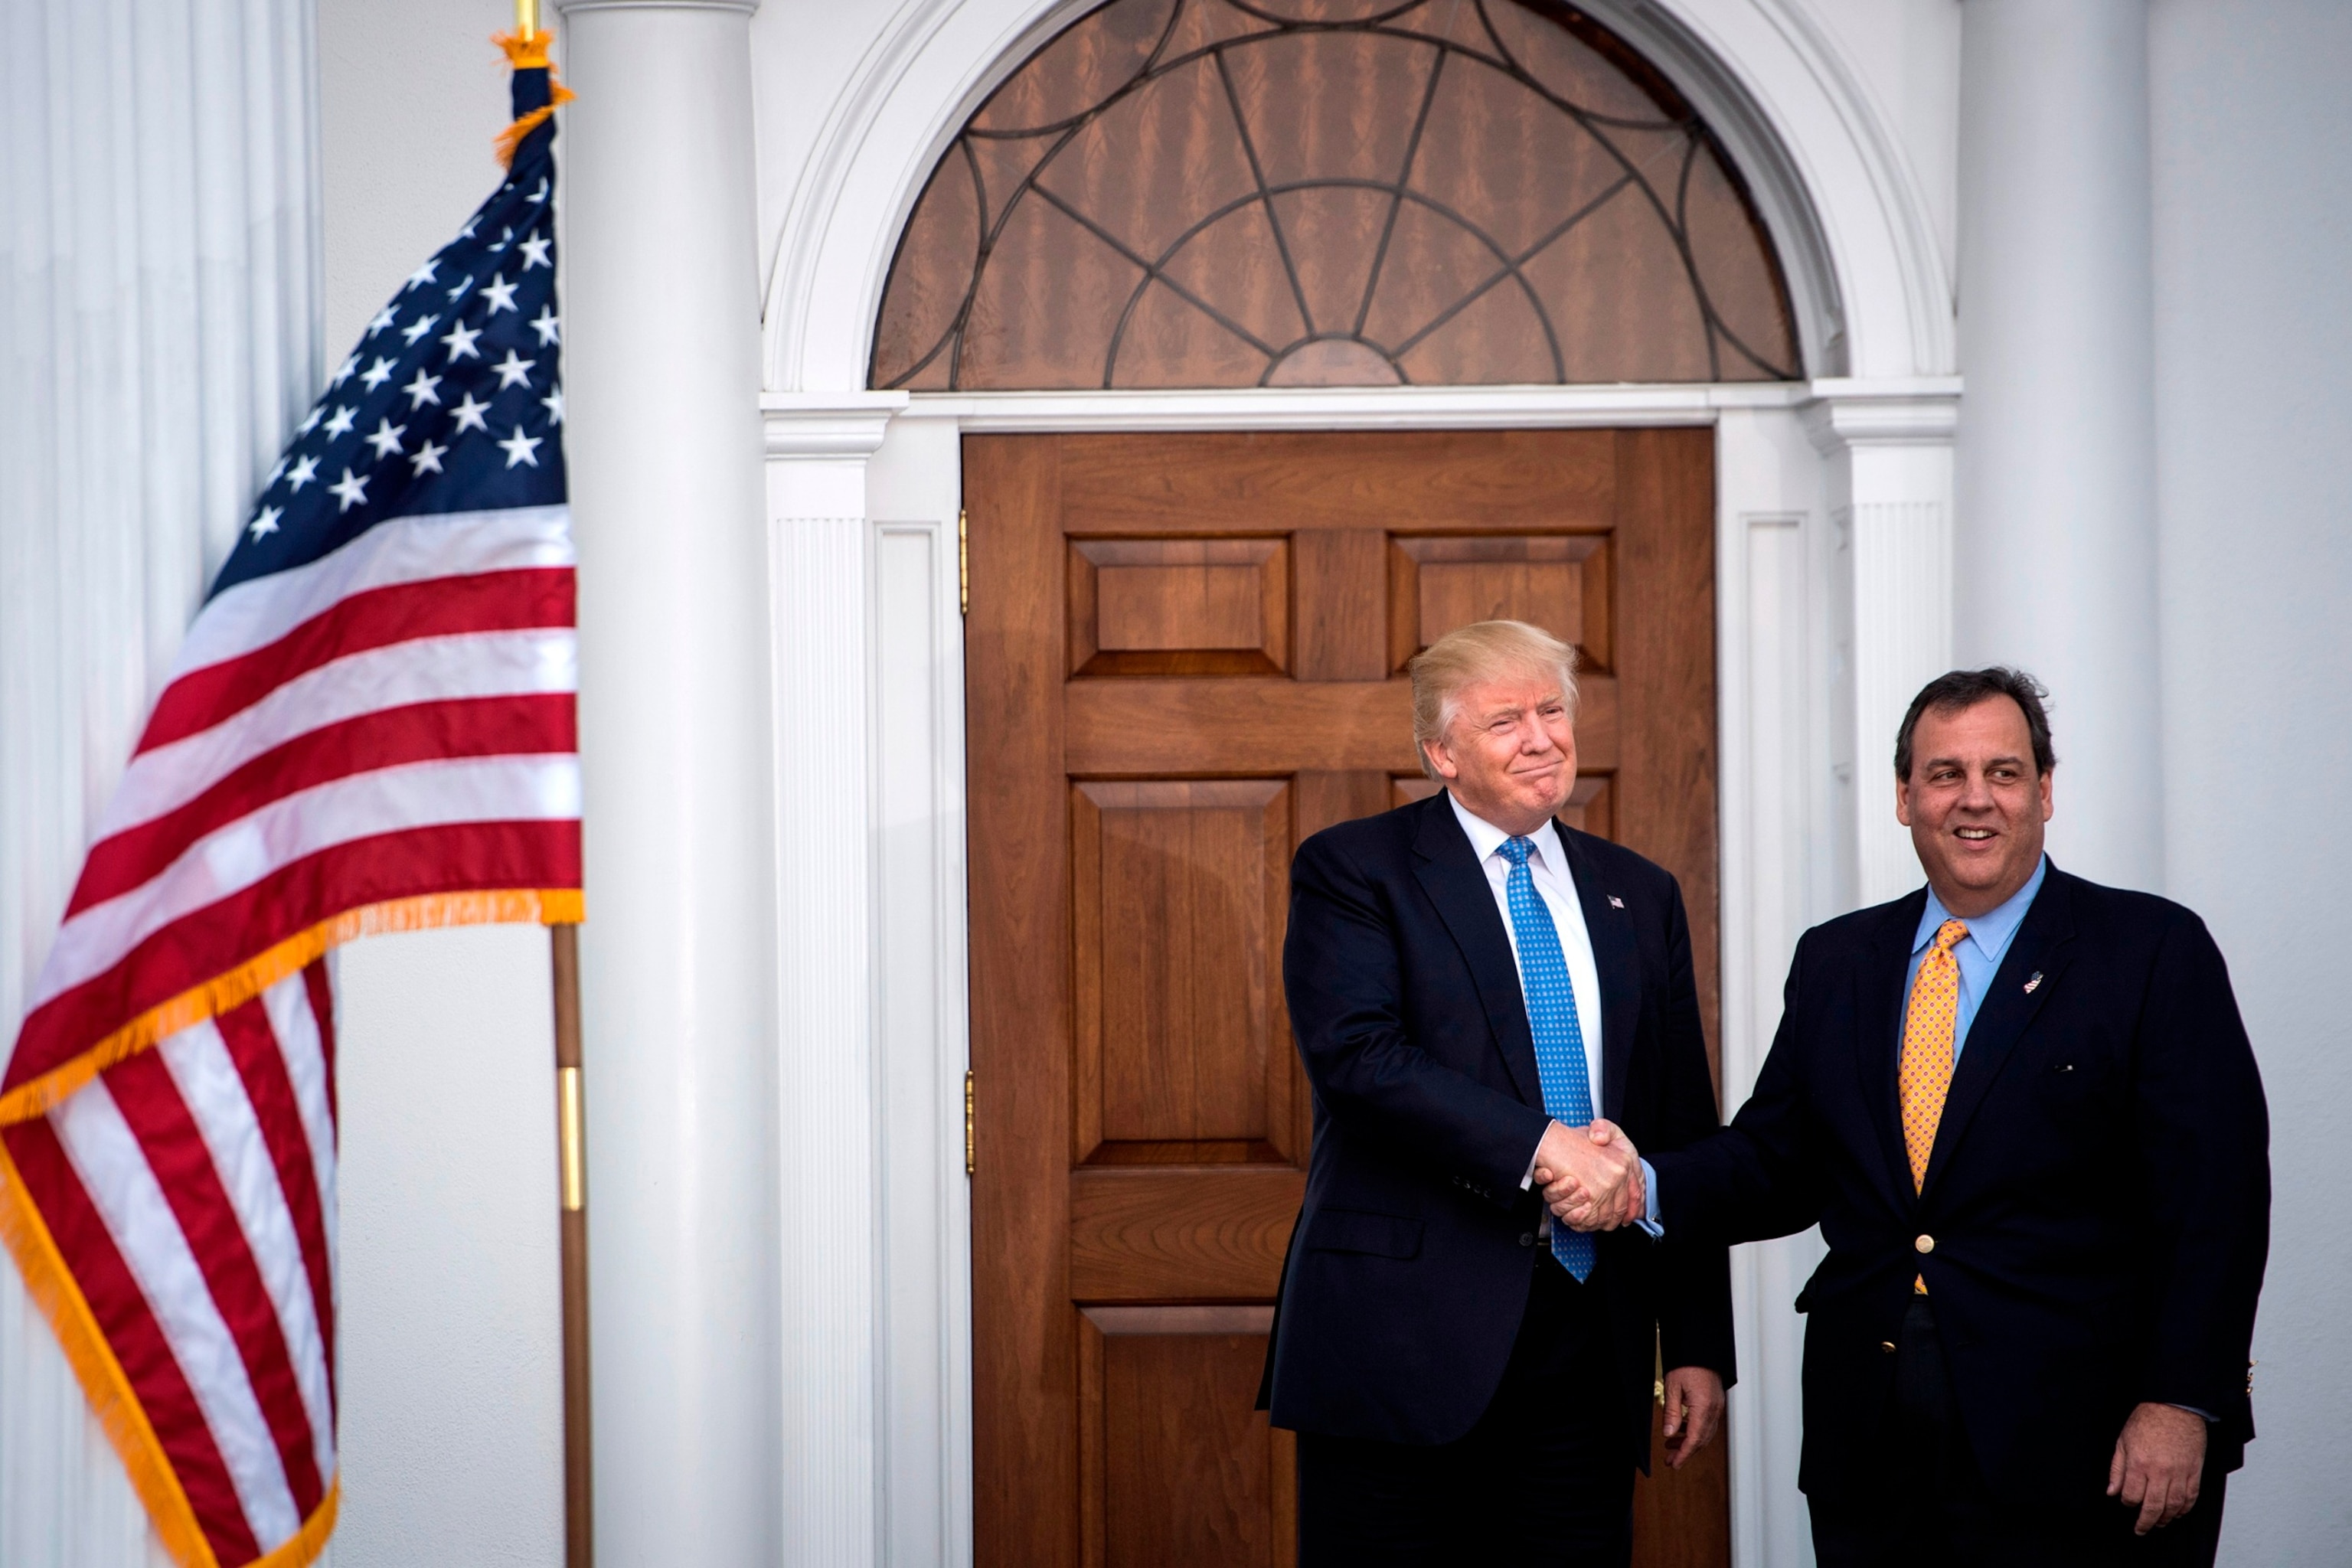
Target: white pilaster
point(1889, 478)
point(832, 1181)
point(159, 335)
point(2056, 559)
point(661, 315)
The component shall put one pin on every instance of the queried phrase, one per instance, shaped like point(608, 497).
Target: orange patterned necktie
point(1925, 1073)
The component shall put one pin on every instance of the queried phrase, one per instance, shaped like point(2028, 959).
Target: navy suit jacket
point(2097, 1196)
point(1411, 1263)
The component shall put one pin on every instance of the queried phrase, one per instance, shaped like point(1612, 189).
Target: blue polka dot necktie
point(1551, 1015)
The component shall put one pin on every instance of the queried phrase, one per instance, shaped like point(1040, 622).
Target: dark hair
point(1965, 689)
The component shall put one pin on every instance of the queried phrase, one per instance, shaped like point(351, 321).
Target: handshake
point(1591, 1176)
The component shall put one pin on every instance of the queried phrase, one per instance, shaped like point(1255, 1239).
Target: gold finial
point(526, 18)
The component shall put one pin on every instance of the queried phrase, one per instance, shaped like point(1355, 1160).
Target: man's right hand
point(1591, 1176)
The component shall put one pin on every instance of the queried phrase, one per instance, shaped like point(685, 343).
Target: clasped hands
point(1591, 1176)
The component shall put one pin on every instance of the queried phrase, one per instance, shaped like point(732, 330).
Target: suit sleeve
point(1344, 976)
point(2204, 1132)
point(1694, 1298)
point(1755, 1178)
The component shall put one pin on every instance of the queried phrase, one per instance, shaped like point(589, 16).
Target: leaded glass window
point(1320, 193)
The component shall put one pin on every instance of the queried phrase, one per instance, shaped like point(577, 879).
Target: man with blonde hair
point(1488, 1001)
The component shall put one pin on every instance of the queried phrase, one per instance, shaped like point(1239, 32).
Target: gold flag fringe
point(529, 52)
point(543, 905)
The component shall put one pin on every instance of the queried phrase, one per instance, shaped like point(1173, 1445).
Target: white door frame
point(1834, 518)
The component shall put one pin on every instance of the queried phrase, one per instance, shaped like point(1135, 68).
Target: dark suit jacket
point(2098, 1194)
point(1409, 1266)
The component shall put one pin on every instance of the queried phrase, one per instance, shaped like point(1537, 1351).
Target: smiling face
point(1509, 753)
point(1974, 804)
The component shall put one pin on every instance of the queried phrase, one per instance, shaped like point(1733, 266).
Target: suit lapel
point(1878, 1015)
point(2045, 946)
point(1449, 873)
point(1618, 957)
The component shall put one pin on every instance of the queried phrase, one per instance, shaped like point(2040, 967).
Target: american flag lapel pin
point(1617, 904)
point(2032, 980)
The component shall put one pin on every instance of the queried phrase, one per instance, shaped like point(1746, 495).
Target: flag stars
point(519, 448)
point(343, 372)
point(377, 373)
point(340, 425)
point(265, 521)
point(385, 318)
point(499, 293)
point(513, 371)
point(540, 194)
point(534, 252)
point(305, 469)
point(463, 284)
point(426, 459)
point(311, 424)
point(420, 391)
point(459, 340)
point(554, 404)
point(547, 324)
point(467, 232)
point(468, 415)
point(418, 328)
point(386, 438)
point(424, 275)
point(350, 491)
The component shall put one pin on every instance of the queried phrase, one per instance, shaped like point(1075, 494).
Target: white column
point(661, 327)
point(832, 1363)
point(2056, 557)
point(1889, 445)
point(159, 336)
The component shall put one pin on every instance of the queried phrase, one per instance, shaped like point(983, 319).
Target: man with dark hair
point(2024, 1112)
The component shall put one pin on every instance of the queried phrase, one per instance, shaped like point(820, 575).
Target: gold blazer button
point(1925, 1244)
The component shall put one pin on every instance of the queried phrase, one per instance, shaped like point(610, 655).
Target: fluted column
point(2056, 533)
point(661, 323)
point(159, 336)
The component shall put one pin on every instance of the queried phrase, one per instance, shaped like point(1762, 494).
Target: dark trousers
point(1542, 1479)
point(1933, 1510)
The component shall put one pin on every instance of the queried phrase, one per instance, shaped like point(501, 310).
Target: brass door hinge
point(971, 1159)
point(963, 561)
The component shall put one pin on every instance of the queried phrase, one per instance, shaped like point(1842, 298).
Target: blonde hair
point(1479, 652)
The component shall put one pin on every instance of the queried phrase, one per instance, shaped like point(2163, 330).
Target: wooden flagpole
point(571, 1159)
point(572, 1154)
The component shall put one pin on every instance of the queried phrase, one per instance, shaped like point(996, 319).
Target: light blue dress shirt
point(1979, 952)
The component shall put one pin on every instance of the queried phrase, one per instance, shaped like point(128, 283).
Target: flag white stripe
point(296, 1029)
point(199, 1063)
point(259, 611)
point(469, 664)
point(235, 857)
point(115, 1171)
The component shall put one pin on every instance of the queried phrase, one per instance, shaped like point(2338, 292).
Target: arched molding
point(1871, 288)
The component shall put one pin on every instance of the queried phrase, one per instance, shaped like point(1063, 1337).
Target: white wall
point(451, 1399)
point(2252, 123)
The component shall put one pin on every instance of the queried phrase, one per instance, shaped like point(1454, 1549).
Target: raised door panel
point(1558, 582)
point(1179, 889)
point(1178, 607)
point(1177, 1470)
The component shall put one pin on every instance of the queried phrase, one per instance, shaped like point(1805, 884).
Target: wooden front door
point(1184, 654)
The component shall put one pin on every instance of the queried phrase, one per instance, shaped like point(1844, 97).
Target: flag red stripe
point(122, 1315)
point(466, 856)
point(168, 1135)
point(532, 723)
point(373, 617)
point(252, 1048)
point(323, 1009)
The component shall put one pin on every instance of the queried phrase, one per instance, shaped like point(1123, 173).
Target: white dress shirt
point(1556, 885)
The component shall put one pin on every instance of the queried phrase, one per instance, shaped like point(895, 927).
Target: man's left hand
point(1693, 1412)
point(2158, 1464)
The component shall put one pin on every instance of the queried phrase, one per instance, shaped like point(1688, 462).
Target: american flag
point(370, 727)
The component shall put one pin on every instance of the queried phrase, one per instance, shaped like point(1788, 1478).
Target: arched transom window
point(1321, 192)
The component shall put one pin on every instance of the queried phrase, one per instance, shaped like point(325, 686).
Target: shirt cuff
point(1649, 1222)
